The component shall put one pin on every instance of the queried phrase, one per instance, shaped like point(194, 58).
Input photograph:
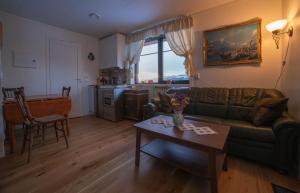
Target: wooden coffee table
point(201, 155)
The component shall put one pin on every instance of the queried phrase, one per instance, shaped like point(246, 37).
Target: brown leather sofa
point(276, 145)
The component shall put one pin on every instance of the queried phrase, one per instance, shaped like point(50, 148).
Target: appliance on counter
point(110, 101)
point(112, 76)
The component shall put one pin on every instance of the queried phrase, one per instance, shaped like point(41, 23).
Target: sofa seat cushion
point(205, 118)
point(245, 130)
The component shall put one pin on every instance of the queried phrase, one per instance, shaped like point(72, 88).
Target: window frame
point(160, 40)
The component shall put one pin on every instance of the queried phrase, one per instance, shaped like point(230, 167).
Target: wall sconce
point(276, 28)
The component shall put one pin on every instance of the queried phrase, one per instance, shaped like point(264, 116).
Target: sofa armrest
point(287, 131)
point(283, 122)
point(149, 110)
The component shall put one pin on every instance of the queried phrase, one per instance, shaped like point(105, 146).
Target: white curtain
point(132, 52)
point(181, 43)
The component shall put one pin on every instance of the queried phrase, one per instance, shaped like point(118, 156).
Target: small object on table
point(203, 131)
point(164, 122)
point(178, 103)
point(188, 126)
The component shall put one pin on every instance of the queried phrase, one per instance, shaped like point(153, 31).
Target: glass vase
point(178, 120)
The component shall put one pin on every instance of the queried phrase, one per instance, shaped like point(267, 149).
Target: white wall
point(22, 34)
point(291, 78)
point(262, 75)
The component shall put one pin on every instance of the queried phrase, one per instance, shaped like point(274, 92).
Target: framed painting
point(233, 44)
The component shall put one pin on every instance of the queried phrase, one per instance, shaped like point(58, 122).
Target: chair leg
point(64, 133)
point(24, 139)
point(30, 143)
point(43, 133)
point(55, 128)
point(6, 130)
point(38, 130)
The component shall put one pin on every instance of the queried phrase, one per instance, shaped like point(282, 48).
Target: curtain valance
point(182, 22)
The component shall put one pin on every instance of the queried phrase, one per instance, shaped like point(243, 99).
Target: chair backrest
point(66, 91)
point(23, 105)
point(8, 93)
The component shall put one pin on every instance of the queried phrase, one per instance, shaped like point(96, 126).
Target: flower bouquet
point(178, 103)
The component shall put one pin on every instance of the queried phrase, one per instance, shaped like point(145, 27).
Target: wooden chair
point(33, 125)
point(66, 91)
point(8, 93)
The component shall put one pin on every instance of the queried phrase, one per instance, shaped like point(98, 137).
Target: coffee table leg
point(213, 172)
point(138, 146)
point(225, 164)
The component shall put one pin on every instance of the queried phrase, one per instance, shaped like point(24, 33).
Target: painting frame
point(258, 60)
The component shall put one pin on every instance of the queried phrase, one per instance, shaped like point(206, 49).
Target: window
point(159, 64)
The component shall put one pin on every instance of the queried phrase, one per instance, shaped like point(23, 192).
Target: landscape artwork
point(234, 44)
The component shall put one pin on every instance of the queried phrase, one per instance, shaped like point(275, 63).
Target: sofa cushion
point(209, 101)
point(245, 130)
point(241, 102)
point(204, 118)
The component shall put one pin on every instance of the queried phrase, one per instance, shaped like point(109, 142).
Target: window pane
point(166, 46)
point(173, 67)
point(150, 48)
point(148, 68)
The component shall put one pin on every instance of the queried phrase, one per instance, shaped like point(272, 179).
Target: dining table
point(40, 106)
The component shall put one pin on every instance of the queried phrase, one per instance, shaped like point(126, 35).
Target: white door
point(63, 71)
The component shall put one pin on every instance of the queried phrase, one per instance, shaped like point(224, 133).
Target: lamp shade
point(276, 25)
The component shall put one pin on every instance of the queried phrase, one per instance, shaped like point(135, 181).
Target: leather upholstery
point(206, 101)
point(276, 144)
point(242, 101)
point(247, 131)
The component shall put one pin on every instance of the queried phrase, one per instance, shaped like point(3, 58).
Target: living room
point(150, 96)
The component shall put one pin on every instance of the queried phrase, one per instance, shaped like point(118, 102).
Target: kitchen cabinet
point(112, 51)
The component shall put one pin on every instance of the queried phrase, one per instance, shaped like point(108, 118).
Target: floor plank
point(101, 159)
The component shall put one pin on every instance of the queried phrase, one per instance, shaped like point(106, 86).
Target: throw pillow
point(267, 110)
point(165, 103)
point(157, 103)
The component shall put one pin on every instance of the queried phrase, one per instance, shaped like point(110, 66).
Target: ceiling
point(120, 16)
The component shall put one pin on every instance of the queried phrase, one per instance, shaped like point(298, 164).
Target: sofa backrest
point(234, 103)
point(209, 101)
point(205, 101)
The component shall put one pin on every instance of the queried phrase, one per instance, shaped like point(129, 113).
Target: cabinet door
point(108, 52)
point(120, 39)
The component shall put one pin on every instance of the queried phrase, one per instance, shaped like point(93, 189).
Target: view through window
point(159, 64)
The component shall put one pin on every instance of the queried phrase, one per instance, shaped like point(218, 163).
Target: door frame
point(48, 67)
point(2, 129)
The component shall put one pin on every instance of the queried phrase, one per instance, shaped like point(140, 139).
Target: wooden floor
point(101, 159)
